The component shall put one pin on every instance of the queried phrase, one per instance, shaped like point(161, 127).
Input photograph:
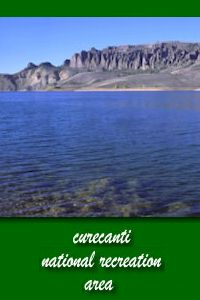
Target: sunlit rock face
point(143, 57)
point(37, 77)
point(153, 58)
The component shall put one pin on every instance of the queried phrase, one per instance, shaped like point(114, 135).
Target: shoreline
point(150, 89)
point(121, 90)
point(136, 89)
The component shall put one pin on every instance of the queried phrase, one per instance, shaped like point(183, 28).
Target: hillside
point(169, 65)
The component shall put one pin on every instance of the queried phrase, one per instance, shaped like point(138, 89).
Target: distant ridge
point(171, 65)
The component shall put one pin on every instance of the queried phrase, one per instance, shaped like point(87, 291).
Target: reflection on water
point(100, 154)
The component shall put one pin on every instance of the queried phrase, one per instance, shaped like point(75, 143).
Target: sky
point(37, 40)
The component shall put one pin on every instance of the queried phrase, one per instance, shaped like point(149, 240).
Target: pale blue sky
point(37, 40)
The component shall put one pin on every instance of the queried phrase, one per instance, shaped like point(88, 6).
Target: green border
point(25, 242)
point(101, 8)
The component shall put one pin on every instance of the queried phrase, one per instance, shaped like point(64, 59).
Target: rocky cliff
point(156, 56)
point(171, 65)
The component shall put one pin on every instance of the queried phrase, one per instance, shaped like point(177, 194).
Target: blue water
point(100, 154)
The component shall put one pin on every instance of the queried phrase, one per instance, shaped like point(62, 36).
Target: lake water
point(100, 154)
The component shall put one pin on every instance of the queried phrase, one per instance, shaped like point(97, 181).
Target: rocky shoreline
point(104, 197)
